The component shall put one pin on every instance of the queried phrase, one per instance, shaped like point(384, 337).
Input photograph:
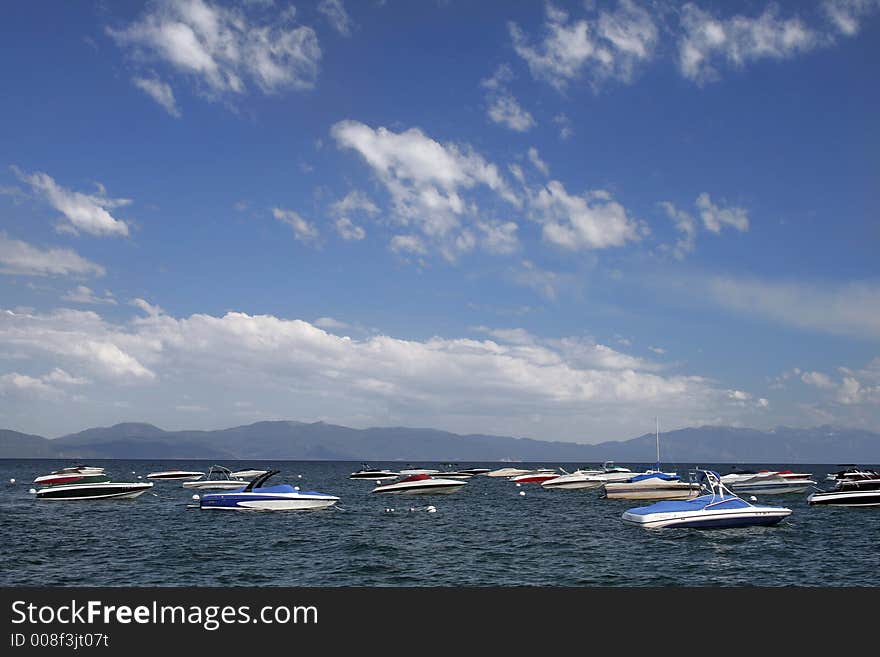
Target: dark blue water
point(485, 534)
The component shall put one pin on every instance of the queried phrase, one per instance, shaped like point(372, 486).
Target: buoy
point(299, 476)
point(195, 497)
point(518, 485)
point(12, 481)
point(296, 488)
point(32, 491)
point(522, 493)
point(140, 477)
point(411, 509)
point(431, 509)
point(752, 498)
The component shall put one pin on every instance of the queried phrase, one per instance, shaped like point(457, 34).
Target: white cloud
point(543, 281)
point(591, 221)
point(609, 47)
point(566, 131)
point(817, 379)
point(331, 323)
point(89, 213)
point(303, 230)
point(498, 237)
point(83, 294)
point(860, 387)
point(429, 184)
point(714, 217)
point(348, 230)
point(537, 162)
point(505, 110)
point(851, 309)
point(335, 13)
point(159, 91)
point(222, 47)
point(684, 224)
point(657, 350)
point(21, 258)
point(408, 244)
point(354, 201)
point(706, 41)
point(846, 15)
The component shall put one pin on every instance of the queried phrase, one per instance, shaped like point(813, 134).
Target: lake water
point(486, 534)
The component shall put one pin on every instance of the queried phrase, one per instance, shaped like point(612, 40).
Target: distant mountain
point(287, 440)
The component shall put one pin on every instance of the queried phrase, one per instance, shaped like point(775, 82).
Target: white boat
point(574, 480)
point(257, 497)
point(373, 474)
point(849, 492)
point(104, 490)
point(71, 475)
point(507, 472)
point(247, 474)
point(769, 483)
point(176, 475)
point(420, 484)
point(719, 508)
point(218, 478)
point(534, 476)
point(417, 471)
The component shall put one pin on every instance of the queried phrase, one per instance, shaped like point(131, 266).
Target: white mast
point(657, 420)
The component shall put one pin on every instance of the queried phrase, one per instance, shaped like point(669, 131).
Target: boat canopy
point(654, 475)
point(259, 481)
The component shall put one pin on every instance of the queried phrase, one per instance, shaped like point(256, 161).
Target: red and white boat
point(77, 474)
point(535, 476)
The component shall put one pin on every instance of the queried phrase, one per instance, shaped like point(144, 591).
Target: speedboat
point(176, 475)
point(507, 472)
point(853, 473)
point(718, 508)
point(535, 476)
point(415, 471)
point(256, 496)
point(77, 474)
point(652, 486)
point(218, 478)
point(769, 482)
point(373, 474)
point(573, 480)
point(103, 490)
point(420, 484)
point(247, 474)
point(850, 492)
point(475, 471)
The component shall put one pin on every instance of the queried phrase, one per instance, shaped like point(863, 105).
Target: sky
point(551, 220)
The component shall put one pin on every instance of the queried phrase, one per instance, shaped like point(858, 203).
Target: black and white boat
point(218, 478)
point(104, 490)
point(176, 475)
point(373, 474)
point(849, 492)
point(853, 473)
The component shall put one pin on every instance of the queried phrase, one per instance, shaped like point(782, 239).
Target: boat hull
point(267, 502)
point(772, 489)
point(845, 498)
point(623, 491)
point(102, 491)
point(722, 519)
point(215, 485)
point(428, 487)
point(175, 476)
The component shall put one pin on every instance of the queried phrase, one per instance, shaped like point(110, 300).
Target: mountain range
point(289, 440)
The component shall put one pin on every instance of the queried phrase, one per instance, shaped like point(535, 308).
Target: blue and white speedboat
point(256, 496)
point(717, 509)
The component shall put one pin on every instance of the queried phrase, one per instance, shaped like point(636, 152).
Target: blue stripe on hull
point(724, 523)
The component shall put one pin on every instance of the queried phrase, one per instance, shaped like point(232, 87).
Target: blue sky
point(553, 220)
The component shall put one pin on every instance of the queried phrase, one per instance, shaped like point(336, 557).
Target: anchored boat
point(256, 496)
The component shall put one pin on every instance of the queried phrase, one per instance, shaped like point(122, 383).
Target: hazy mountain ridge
point(290, 440)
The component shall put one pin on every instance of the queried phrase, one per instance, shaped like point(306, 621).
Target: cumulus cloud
point(590, 221)
point(429, 183)
point(355, 202)
point(707, 41)
point(537, 162)
point(303, 230)
point(503, 108)
point(714, 217)
point(566, 131)
point(222, 47)
point(83, 294)
point(89, 213)
point(347, 230)
point(21, 258)
point(611, 46)
point(684, 224)
point(159, 91)
point(846, 15)
point(334, 12)
point(853, 388)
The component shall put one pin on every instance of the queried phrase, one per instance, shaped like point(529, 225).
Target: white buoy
point(411, 509)
point(296, 488)
point(522, 493)
point(133, 472)
point(33, 491)
point(299, 476)
point(140, 477)
point(518, 485)
point(195, 497)
point(431, 509)
point(752, 498)
point(12, 481)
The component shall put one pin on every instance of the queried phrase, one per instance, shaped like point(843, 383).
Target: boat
point(255, 496)
point(474, 471)
point(415, 471)
point(718, 508)
point(420, 484)
point(769, 482)
point(573, 480)
point(247, 474)
point(176, 475)
point(373, 474)
point(853, 473)
point(651, 486)
point(534, 476)
point(103, 490)
point(849, 492)
point(507, 472)
point(72, 475)
point(218, 478)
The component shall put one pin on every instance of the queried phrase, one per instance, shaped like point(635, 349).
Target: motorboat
point(420, 484)
point(718, 508)
point(573, 480)
point(535, 476)
point(373, 474)
point(103, 490)
point(176, 475)
point(247, 474)
point(652, 486)
point(475, 471)
point(415, 471)
point(255, 496)
point(853, 473)
point(769, 482)
point(507, 472)
point(218, 478)
point(76, 474)
point(849, 492)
